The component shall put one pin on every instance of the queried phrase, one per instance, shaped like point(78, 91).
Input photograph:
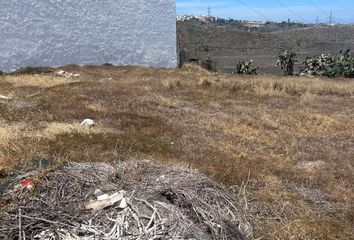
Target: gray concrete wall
point(58, 32)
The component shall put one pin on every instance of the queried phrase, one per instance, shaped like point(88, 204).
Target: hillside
point(284, 147)
point(228, 46)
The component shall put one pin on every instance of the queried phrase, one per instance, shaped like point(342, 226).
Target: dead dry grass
point(250, 133)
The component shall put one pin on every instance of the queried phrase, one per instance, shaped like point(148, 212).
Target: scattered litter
point(87, 123)
point(18, 178)
point(62, 73)
point(183, 204)
point(28, 183)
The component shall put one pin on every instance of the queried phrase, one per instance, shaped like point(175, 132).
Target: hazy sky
point(276, 10)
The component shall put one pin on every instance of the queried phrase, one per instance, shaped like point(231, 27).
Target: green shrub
point(27, 70)
point(246, 67)
point(286, 61)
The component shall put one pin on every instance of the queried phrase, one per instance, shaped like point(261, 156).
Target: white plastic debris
point(88, 123)
point(103, 197)
point(106, 200)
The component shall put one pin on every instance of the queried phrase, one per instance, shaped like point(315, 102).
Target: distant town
point(246, 24)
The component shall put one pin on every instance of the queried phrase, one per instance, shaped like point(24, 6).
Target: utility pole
point(331, 18)
point(317, 20)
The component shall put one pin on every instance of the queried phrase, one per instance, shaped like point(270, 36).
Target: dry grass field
point(283, 146)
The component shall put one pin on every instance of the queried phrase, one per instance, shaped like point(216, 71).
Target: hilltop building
point(206, 19)
point(253, 24)
point(121, 32)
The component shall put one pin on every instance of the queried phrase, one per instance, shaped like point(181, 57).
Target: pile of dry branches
point(162, 203)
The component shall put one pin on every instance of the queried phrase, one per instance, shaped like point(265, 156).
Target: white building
point(59, 32)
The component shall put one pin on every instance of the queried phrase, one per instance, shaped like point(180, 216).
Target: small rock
point(88, 123)
point(60, 73)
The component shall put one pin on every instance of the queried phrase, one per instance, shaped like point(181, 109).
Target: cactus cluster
point(246, 67)
point(286, 61)
point(317, 65)
point(339, 65)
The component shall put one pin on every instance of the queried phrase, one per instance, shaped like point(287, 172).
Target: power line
point(344, 8)
point(255, 11)
point(291, 11)
point(316, 6)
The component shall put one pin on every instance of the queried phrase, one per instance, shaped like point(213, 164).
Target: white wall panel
point(58, 32)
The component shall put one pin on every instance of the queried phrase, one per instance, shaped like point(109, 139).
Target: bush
point(27, 70)
point(1, 73)
point(286, 61)
point(340, 65)
point(246, 67)
point(209, 65)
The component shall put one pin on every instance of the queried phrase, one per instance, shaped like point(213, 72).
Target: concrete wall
point(58, 32)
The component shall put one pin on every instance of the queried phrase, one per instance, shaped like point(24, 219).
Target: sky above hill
point(275, 10)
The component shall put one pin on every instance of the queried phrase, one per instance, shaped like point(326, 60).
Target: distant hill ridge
point(227, 46)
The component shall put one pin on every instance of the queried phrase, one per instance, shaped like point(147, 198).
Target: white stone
point(60, 73)
point(2, 97)
point(88, 123)
point(59, 32)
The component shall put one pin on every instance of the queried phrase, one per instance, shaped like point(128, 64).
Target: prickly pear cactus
point(286, 61)
point(246, 67)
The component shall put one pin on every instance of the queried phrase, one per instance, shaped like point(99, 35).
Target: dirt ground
point(283, 145)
